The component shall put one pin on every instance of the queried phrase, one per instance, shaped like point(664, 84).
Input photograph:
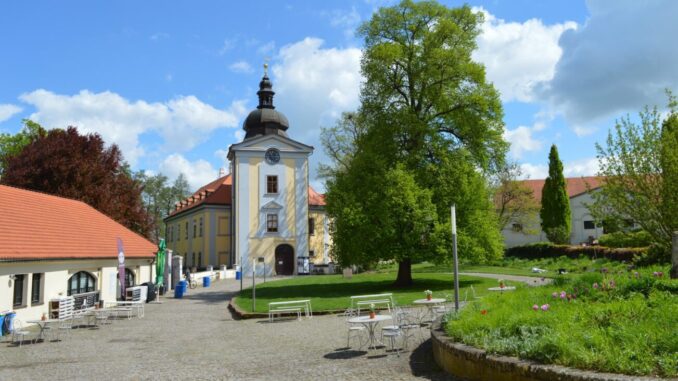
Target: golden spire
point(266, 59)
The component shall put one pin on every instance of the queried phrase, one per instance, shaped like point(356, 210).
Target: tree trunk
point(404, 273)
point(674, 256)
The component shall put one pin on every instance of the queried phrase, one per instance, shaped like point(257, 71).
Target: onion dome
point(265, 120)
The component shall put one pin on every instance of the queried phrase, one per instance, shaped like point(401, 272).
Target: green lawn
point(332, 292)
point(620, 322)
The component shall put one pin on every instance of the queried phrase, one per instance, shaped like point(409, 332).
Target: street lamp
point(454, 255)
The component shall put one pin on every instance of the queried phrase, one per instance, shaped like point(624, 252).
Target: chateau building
point(263, 213)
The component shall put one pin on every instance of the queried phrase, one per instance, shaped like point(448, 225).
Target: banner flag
point(121, 267)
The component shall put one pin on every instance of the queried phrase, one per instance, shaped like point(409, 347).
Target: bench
point(359, 301)
point(290, 306)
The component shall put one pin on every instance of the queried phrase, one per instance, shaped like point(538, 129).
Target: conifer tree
point(555, 204)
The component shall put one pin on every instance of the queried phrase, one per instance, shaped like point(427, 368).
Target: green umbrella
point(160, 263)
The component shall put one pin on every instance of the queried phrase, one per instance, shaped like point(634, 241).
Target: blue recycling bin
point(206, 281)
point(8, 324)
point(237, 275)
point(180, 289)
point(2, 325)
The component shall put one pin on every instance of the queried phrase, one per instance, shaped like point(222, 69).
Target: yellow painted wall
point(200, 244)
point(315, 241)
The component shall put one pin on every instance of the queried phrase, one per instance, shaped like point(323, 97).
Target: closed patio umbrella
point(160, 263)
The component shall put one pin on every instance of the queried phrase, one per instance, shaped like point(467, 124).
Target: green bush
point(640, 238)
point(610, 321)
point(549, 250)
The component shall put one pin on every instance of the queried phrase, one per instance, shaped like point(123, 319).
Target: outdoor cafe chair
point(65, 325)
point(392, 335)
point(355, 331)
point(19, 331)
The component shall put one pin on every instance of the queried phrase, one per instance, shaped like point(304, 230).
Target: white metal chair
point(65, 325)
point(355, 331)
point(19, 331)
point(392, 335)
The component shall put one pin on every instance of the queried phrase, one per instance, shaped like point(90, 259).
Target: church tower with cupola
point(270, 198)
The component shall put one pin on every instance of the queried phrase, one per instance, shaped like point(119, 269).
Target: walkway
point(197, 338)
point(529, 280)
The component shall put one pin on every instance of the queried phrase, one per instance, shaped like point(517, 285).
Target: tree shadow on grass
point(348, 289)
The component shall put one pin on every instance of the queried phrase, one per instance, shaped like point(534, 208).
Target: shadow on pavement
point(423, 365)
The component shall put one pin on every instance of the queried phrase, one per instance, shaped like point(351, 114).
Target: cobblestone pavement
point(197, 338)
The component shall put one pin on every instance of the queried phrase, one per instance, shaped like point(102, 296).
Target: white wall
point(55, 281)
point(579, 212)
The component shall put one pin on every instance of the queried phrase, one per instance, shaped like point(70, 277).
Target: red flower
point(483, 312)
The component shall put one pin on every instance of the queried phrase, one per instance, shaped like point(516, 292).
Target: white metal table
point(430, 303)
point(43, 324)
point(371, 325)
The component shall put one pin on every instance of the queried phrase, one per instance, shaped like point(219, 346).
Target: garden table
point(430, 303)
point(371, 325)
point(43, 324)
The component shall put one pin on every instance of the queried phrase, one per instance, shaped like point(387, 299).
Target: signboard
point(121, 267)
point(260, 259)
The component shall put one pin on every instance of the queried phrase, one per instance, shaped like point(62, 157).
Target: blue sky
point(170, 82)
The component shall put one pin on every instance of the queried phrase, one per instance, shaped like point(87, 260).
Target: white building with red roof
point(584, 228)
point(54, 247)
point(263, 215)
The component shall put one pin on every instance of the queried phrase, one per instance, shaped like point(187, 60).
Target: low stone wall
point(475, 364)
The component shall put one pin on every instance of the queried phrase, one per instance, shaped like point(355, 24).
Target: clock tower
point(270, 192)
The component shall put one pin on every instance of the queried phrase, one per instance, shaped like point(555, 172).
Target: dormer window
point(272, 184)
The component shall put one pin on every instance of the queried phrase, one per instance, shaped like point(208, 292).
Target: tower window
point(271, 184)
point(200, 227)
point(271, 223)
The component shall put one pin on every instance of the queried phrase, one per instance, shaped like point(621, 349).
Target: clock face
point(272, 156)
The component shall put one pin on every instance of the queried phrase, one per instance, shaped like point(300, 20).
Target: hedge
point(549, 250)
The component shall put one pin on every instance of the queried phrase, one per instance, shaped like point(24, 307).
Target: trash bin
point(237, 275)
point(9, 322)
point(180, 290)
point(2, 321)
point(206, 281)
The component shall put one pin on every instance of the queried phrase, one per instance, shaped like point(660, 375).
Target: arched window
point(80, 282)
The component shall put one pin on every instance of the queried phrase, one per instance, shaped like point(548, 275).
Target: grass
point(628, 324)
point(516, 266)
point(332, 292)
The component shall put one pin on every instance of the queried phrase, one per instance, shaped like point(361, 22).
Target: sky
point(170, 82)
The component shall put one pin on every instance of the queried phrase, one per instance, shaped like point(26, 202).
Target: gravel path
point(197, 338)
point(529, 280)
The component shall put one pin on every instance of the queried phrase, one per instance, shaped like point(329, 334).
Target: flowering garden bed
point(623, 322)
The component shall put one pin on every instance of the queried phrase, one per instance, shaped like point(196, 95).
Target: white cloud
point(518, 55)
point(222, 154)
point(620, 60)
point(159, 36)
point(183, 122)
point(345, 19)
point(241, 67)
point(7, 111)
point(314, 86)
point(266, 48)
point(228, 44)
point(521, 140)
point(198, 173)
point(575, 168)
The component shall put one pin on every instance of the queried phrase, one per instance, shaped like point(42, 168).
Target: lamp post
point(454, 255)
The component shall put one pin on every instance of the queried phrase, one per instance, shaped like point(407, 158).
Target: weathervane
point(266, 59)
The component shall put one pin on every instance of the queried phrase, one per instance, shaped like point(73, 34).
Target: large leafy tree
point(67, 164)
point(427, 111)
point(555, 203)
point(159, 198)
point(514, 201)
point(12, 144)
point(640, 165)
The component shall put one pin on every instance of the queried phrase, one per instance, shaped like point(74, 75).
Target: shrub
point(620, 239)
point(548, 250)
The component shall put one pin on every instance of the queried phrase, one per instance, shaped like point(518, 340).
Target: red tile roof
point(218, 192)
point(36, 226)
point(575, 185)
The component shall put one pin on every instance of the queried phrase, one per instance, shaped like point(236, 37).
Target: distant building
point(264, 208)
point(584, 228)
point(54, 247)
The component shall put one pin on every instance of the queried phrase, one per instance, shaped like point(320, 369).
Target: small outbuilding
point(53, 247)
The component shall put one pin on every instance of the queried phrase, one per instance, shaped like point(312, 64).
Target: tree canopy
point(80, 167)
point(555, 203)
point(428, 130)
point(640, 165)
point(12, 145)
point(513, 200)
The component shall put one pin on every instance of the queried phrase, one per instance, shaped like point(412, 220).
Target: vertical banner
point(121, 268)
